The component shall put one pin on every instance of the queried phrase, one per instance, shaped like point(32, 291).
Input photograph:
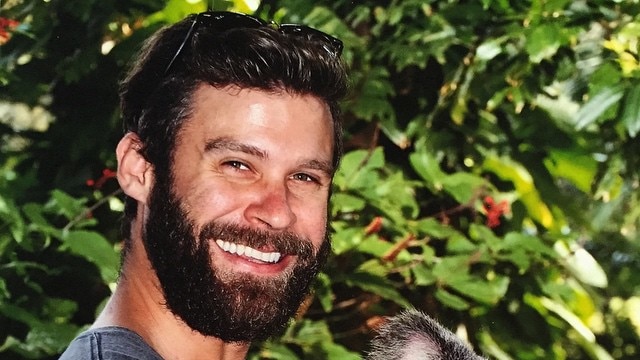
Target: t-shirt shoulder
point(109, 343)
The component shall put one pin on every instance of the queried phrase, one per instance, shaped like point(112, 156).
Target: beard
point(232, 306)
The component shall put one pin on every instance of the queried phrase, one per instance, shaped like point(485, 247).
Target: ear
point(135, 173)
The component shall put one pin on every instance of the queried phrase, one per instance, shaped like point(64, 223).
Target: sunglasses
point(225, 20)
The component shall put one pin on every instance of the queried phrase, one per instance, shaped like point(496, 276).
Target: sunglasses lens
point(222, 20)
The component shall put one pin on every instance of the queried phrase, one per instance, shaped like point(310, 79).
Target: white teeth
point(271, 257)
point(265, 257)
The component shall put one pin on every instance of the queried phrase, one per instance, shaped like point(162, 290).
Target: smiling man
point(232, 139)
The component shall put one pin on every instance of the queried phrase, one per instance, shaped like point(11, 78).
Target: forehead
point(277, 119)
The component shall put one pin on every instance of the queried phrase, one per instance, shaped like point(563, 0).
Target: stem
point(90, 209)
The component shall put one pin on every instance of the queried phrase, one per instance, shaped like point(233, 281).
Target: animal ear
point(135, 173)
point(413, 335)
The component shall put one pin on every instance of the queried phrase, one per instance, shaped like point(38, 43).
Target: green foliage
point(491, 178)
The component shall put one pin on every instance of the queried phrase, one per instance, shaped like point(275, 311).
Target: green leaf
point(631, 111)
point(452, 268)
point(487, 292)
point(544, 41)
point(573, 165)
point(530, 243)
point(335, 351)
point(461, 244)
point(9, 214)
point(389, 127)
point(560, 107)
point(428, 167)
point(422, 275)
point(346, 203)
point(324, 292)
point(519, 258)
point(66, 204)
point(19, 314)
point(277, 351)
point(373, 100)
point(344, 240)
point(490, 49)
point(34, 214)
point(464, 186)
point(450, 300)
point(522, 250)
point(4, 291)
point(396, 197)
point(357, 169)
point(508, 169)
point(176, 10)
point(597, 105)
point(434, 228)
point(373, 267)
point(375, 246)
point(309, 333)
point(95, 248)
point(484, 235)
point(244, 6)
point(582, 264)
point(59, 309)
point(376, 285)
point(567, 315)
point(52, 338)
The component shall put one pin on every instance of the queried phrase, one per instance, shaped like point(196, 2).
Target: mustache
point(284, 242)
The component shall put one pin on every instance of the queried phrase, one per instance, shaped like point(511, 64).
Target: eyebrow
point(323, 166)
point(227, 143)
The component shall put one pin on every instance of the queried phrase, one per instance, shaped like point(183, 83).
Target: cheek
point(211, 202)
point(312, 222)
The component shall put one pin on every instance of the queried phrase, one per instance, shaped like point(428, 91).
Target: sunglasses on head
point(225, 20)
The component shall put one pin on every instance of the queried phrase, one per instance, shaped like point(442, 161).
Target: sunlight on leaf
point(582, 264)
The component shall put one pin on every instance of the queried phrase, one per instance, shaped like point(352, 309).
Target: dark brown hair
point(155, 101)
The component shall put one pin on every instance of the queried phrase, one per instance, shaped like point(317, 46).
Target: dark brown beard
point(231, 306)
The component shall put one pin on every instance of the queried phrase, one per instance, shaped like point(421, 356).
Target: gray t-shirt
point(109, 343)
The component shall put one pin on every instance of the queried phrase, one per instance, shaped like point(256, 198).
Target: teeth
point(271, 257)
point(265, 257)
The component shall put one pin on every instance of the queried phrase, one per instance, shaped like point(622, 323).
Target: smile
point(241, 250)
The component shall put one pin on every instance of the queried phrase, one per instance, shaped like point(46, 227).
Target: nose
point(270, 208)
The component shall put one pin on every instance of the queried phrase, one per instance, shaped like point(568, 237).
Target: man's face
point(237, 232)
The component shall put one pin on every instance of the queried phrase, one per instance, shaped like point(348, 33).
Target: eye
point(305, 178)
point(237, 165)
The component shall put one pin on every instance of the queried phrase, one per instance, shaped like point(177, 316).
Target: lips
point(249, 252)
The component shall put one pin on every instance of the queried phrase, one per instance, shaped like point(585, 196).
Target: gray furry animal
point(412, 335)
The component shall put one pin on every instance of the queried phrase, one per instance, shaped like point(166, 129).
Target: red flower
point(6, 25)
point(494, 211)
point(106, 175)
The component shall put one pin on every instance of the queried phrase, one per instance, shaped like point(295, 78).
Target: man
point(232, 139)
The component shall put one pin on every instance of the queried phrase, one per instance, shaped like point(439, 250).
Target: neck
point(138, 305)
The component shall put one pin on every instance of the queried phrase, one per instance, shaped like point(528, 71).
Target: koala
point(412, 335)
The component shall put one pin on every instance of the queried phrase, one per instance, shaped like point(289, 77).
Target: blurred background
point(491, 178)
